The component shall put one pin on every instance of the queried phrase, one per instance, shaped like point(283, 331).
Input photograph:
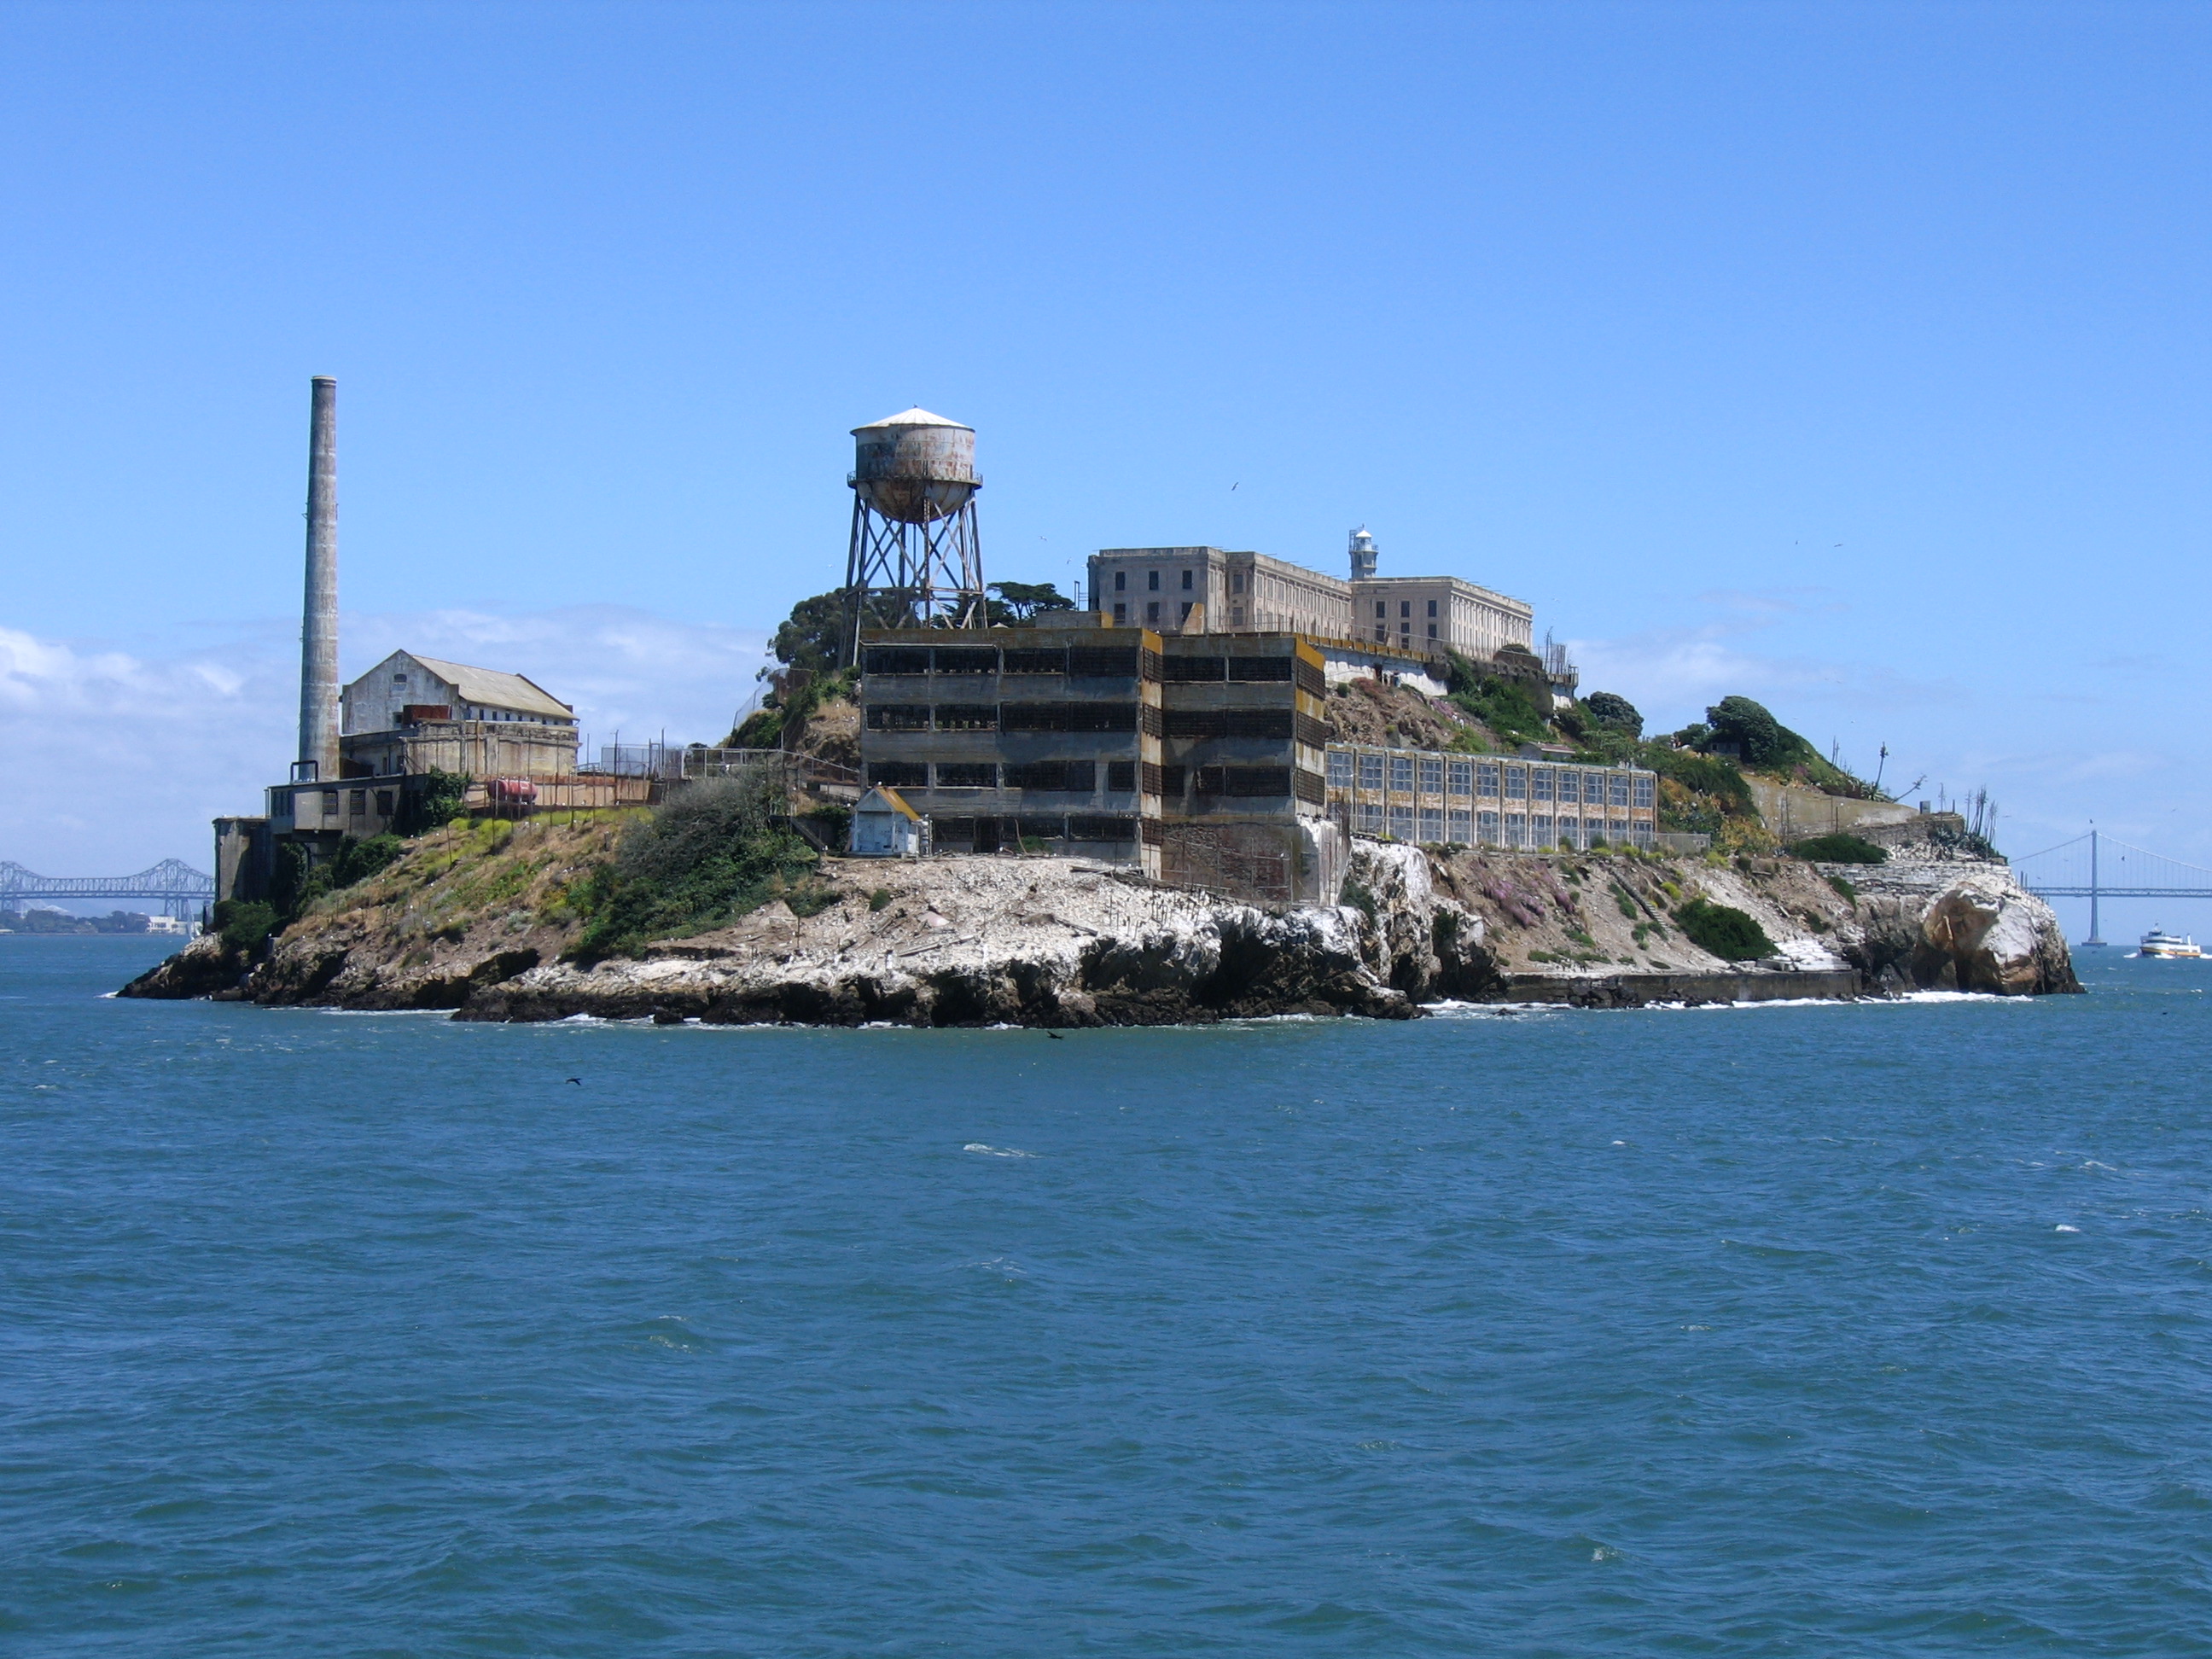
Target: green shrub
point(357, 860)
point(1502, 705)
point(441, 798)
point(1849, 893)
point(244, 923)
point(708, 856)
point(879, 899)
point(1701, 774)
point(1839, 849)
point(1722, 931)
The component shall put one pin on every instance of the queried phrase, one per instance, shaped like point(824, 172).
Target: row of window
point(989, 835)
point(1402, 821)
point(1081, 778)
point(356, 802)
point(1405, 609)
point(1152, 583)
point(1091, 662)
point(1441, 775)
point(1279, 725)
point(1013, 717)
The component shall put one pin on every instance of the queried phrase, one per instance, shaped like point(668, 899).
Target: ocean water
point(1821, 1330)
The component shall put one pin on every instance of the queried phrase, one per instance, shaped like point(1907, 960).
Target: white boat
point(2158, 943)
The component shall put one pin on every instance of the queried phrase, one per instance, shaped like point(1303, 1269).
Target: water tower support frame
point(899, 574)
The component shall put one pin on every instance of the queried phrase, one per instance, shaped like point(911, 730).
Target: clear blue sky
point(1636, 312)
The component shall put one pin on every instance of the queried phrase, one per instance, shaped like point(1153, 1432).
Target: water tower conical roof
point(916, 416)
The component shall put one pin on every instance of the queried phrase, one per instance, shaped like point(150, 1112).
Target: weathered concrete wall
point(1794, 814)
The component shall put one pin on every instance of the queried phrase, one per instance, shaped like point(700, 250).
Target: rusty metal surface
point(914, 473)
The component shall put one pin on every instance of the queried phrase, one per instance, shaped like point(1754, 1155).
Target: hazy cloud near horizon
point(135, 752)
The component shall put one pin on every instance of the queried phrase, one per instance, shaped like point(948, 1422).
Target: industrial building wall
point(1047, 735)
point(483, 749)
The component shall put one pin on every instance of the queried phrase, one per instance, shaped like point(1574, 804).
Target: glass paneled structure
point(1421, 795)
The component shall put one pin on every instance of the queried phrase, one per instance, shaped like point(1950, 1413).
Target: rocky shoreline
point(1044, 941)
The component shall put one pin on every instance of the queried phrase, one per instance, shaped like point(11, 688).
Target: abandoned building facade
point(1204, 759)
point(1195, 757)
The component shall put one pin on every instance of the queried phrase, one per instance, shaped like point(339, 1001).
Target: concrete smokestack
point(319, 633)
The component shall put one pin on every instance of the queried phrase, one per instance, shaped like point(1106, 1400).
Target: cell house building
point(1209, 590)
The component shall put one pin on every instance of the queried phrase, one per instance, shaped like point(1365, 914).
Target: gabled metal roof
point(489, 688)
point(886, 798)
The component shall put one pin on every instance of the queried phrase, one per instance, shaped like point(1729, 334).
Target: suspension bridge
point(2097, 866)
point(180, 889)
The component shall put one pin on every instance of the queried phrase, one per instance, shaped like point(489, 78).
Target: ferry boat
point(2158, 943)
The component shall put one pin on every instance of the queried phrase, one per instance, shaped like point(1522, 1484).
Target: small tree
point(1612, 710)
point(811, 637)
point(1749, 726)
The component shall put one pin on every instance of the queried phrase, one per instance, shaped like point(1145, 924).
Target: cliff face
point(478, 925)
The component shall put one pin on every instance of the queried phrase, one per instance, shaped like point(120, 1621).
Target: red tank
point(512, 792)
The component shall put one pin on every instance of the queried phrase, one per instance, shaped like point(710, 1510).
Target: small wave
point(2063, 1228)
point(384, 1014)
point(995, 1152)
point(1451, 1010)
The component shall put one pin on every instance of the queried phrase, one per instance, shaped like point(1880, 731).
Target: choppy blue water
point(1755, 1331)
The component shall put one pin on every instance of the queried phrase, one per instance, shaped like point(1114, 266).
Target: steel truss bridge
point(175, 885)
point(2096, 866)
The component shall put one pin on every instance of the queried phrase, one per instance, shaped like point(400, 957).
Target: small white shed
point(885, 827)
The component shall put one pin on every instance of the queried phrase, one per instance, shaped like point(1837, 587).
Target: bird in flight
point(1234, 486)
point(578, 1081)
point(1056, 1036)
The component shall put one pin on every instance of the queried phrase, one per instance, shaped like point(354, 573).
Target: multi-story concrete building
point(1170, 590)
point(1195, 757)
point(1429, 613)
point(1175, 590)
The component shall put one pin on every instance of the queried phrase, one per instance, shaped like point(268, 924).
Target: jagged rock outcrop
point(482, 924)
point(1980, 932)
point(205, 968)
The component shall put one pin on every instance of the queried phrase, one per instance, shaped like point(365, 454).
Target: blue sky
point(1851, 357)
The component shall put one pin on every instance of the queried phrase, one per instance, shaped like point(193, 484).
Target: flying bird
point(1234, 486)
point(1056, 1036)
point(578, 1081)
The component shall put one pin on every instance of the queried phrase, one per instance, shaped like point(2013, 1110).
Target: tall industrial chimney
point(319, 633)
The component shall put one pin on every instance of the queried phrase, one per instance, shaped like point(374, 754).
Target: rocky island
point(712, 907)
